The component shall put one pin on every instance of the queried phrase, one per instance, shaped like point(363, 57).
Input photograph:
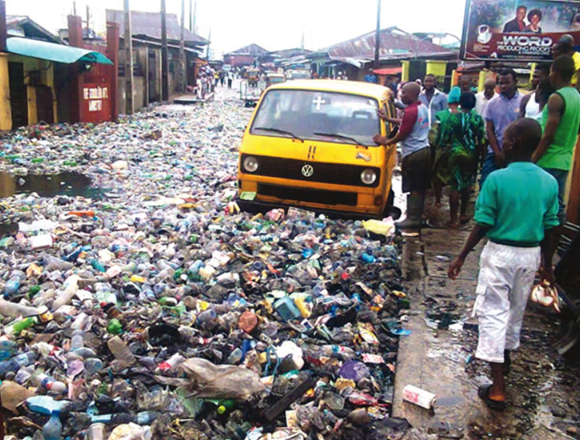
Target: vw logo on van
point(307, 170)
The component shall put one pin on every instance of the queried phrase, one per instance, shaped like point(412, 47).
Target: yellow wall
point(46, 69)
point(437, 68)
point(5, 112)
point(405, 72)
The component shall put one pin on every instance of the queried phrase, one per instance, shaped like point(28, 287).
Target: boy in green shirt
point(517, 210)
point(561, 122)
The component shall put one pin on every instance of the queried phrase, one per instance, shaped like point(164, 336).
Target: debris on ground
point(137, 304)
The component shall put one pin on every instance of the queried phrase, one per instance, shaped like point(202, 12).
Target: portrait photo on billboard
point(519, 30)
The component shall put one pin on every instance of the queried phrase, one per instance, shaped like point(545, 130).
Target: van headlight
point(251, 164)
point(368, 176)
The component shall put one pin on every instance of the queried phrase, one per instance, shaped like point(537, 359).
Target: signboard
point(96, 103)
point(517, 30)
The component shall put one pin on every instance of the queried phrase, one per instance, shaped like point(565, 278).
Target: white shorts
point(506, 277)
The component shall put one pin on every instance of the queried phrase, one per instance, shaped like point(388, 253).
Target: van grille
point(339, 174)
point(308, 195)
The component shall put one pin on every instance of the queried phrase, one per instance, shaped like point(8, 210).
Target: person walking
point(501, 111)
point(441, 147)
point(561, 123)
point(516, 210)
point(529, 107)
point(416, 166)
point(465, 133)
point(432, 98)
point(230, 79)
point(486, 95)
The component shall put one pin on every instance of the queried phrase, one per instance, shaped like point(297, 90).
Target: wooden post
point(182, 59)
point(113, 54)
point(129, 104)
point(573, 214)
point(164, 55)
point(378, 36)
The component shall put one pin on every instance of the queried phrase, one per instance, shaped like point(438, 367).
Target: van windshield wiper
point(340, 136)
point(277, 130)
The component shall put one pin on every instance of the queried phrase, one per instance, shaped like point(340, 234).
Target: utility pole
point(191, 15)
point(74, 8)
point(88, 20)
point(129, 105)
point(164, 55)
point(378, 35)
point(194, 30)
point(182, 58)
point(208, 43)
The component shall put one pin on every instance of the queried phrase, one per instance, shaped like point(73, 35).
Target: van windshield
point(315, 115)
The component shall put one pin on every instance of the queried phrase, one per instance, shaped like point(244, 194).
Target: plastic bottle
point(171, 363)
point(337, 351)
point(13, 310)
point(226, 406)
point(53, 428)
point(17, 362)
point(97, 265)
point(121, 352)
point(70, 289)
point(93, 366)
point(206, 317)
point(49, 383)
point(114, 327)
point(7, 349)
point(13, 284)
point(78, 340)
point(17, 327)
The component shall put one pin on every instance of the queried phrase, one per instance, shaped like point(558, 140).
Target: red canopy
point(388, 71)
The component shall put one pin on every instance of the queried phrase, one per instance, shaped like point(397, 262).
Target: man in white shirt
point(483, 97)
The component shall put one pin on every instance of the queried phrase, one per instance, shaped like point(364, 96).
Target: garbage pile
point(154, 308)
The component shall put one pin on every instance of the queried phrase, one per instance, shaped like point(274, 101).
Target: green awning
point(57, 53)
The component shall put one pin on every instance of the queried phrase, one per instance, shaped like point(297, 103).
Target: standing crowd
point(523, 148)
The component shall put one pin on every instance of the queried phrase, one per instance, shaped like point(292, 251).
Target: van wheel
point(390, 209)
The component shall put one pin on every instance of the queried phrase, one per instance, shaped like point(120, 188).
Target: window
point(308, 114)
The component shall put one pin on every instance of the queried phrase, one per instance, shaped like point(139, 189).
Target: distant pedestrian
point(370, 77)
point(432, 98)
point(416, 166)
point(230, 79)
point(529, 107)
point(565, 46)
point(561, 121)
point(222, 77)
point(501, 111)
point(465, 133)
point(216, 77)
point(441, 146)
point(486, 95)
point(517, 210)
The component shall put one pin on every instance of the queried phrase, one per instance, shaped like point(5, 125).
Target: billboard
point(519, 30)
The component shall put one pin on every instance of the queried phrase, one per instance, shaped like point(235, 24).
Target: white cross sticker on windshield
point(319, 101)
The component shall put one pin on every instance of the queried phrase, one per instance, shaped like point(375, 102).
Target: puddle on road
point(45, 185)
point(48, 185)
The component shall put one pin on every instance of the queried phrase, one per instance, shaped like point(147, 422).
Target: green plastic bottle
point(226, 406)
point(21, 325)
point(114, 327)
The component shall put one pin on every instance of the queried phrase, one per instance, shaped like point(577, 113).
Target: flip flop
point(483, 393)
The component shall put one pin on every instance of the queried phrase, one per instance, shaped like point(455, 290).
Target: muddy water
point(47, 185)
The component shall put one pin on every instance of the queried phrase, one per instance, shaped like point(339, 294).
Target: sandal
point(483, 393)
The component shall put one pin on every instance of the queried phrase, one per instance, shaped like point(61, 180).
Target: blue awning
point(57, 53)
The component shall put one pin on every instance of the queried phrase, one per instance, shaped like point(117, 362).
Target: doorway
point(18, 95)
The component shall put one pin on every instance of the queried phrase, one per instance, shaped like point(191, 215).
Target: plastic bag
point(221, 381)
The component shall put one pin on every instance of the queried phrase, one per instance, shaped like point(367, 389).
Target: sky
point(272, 24)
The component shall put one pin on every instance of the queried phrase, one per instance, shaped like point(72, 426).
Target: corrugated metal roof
point(252, 50)
point(149, 24)
point(395, 44)
point(58, 53)
point(23, 26)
